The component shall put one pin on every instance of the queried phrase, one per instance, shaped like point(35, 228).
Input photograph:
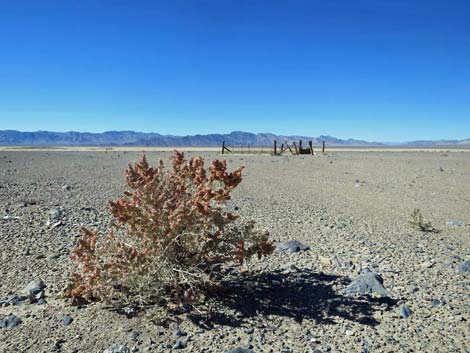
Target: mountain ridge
point(234, 138)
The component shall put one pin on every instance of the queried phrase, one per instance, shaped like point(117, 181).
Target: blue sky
point(371, 69)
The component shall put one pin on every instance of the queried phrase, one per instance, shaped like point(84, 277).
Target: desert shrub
point(418, 222)
point(171, 237)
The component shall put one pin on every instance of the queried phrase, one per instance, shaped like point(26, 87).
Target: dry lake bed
point(351, 208)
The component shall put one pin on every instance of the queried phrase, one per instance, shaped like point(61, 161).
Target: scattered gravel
point(290, 302)
point(240, 350)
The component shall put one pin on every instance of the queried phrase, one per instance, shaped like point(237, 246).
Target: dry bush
point(418, 222)
point(170, 239)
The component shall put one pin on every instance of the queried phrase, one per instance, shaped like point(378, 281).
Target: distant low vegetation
point(418, 222)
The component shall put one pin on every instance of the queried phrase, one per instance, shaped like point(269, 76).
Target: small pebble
point(405, 312)
point(67, 320)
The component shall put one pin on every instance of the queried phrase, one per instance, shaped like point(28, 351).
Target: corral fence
point(276, 149)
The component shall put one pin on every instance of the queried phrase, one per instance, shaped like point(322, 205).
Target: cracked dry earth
point(351, 208)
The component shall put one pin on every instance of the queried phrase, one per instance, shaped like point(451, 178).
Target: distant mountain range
point(235, 138)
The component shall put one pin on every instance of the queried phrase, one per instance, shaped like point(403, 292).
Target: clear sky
point(388, 70)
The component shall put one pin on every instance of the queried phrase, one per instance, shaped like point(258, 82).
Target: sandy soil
point(240, 150)
point(351, 208)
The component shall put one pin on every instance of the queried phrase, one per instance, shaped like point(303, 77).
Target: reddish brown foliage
point(170, 236)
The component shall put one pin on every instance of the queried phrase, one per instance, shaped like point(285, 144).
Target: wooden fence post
point(323, 147)
point(223, 147)
point(295, 147)
point(275, 147)
point(311, 147)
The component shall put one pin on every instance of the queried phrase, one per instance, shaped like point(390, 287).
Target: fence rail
point(275, 149)
point(247, 149)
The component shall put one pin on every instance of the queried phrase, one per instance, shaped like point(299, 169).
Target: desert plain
point(351, 208)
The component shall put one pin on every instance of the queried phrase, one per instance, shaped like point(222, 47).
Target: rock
point(291, 269)
point(367, 282)
point(34, 287)
point(11, 321)
point(240, 350)
point(135, 335)
point(179, 333)
point(180, 344)
point(39, 295)
point(291, 246)
point(465, 266)
point(435, 302)
point(66, 187)
point(405, 311)
point(427, 264)
point(67, 320)
point(129, 311)
point(56, 213)
point(7, 218)
point(12, 300)
point(58, 344)
point(53, 256)
point(412, 288)
point(325, 260)
point(455, 223)
point(117, 348)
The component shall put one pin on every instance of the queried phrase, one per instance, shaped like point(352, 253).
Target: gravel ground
point(350, 208)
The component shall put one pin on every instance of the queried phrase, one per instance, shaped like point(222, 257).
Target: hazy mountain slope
point(235, 138)
point(132, 138)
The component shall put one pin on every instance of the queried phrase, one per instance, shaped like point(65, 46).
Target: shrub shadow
point(300, 294)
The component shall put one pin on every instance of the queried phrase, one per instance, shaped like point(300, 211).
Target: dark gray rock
point(291, 246)
point(58, 344)
point(67, 320)
point(367, 282)
point(117, 348)
point(435, 302)
point(465, 266)
point(180, 344)
point(39, 295)
point(12, 300)
point(179, 333)
point(127, 310)
point(405, 311)
point(135, 335)
point(11, 321)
